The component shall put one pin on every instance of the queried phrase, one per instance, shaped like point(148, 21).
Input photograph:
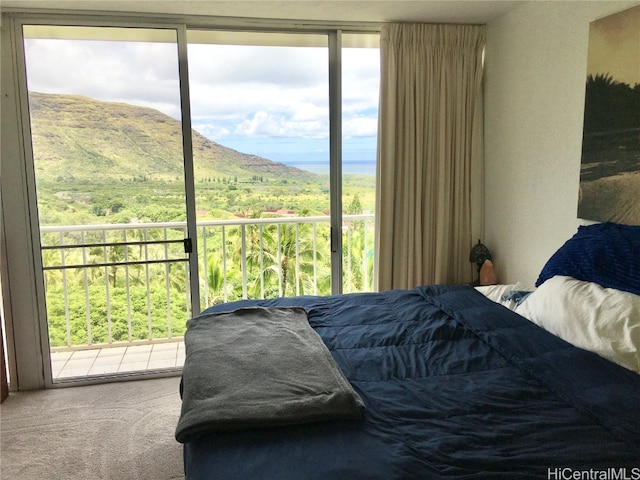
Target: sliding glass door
point(162, 188)
point(106, 131)
point(360, 81)
point(275, 211)
point(260, 107)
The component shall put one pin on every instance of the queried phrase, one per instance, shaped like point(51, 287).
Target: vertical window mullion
point(335, 159)
point(189, 178)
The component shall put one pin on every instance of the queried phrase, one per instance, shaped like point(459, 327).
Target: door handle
point(188, 246)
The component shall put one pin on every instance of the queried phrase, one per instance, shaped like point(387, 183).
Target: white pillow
point(496, 292)
point(587, 315)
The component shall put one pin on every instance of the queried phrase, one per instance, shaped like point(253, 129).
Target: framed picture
point(610, 166)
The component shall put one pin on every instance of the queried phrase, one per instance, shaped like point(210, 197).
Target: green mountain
point(79, 138)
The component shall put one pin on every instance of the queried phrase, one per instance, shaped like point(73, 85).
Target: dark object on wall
point(609, 172)
point(479, 255)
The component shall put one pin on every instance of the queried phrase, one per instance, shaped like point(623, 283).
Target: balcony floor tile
point(165, 346)
point(110, 352)
point(85, 354)
point(135, 358)
point(162, 355)
point(74, 371)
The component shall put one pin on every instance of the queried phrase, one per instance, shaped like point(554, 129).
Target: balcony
point(118, 294)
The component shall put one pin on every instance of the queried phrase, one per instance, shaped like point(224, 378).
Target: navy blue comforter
point(455, 386)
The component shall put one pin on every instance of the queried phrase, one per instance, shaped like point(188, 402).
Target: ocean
point(362, 167)
point(312, 155)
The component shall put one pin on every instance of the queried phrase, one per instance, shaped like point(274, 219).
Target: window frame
point(26, 319)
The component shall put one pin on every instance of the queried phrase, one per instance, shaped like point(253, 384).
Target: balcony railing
point(127, 284)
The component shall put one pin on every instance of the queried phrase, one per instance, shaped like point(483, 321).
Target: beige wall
point(536, 63)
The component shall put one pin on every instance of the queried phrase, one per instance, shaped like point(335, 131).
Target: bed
point(441, 381)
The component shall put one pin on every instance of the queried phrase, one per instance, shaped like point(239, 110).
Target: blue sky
point(267, 101)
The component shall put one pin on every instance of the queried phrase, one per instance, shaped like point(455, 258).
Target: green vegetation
point(610, 105)
point(109, 163)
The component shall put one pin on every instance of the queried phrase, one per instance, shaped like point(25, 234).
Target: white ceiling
point(430, 11)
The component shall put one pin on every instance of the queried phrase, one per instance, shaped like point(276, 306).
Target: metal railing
point(126, 284)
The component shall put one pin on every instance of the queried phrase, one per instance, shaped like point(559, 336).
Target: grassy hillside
point(104, 162)
point(80, 138)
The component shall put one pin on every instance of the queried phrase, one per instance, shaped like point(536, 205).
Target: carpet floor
point(120, 431)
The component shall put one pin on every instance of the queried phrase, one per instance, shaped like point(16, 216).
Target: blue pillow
point(605, 253)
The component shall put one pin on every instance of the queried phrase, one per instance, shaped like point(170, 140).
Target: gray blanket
point(257, 367)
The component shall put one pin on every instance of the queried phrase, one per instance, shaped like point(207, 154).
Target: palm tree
point(276, 257)
point(53, 278)
point(609, 105)
point(293, 257)
point(116, 255)
point(220, 287)
point(358, 253)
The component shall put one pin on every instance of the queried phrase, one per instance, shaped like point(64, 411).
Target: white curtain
point(429, 202)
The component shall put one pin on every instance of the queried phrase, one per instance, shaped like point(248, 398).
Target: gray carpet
point(120, 431)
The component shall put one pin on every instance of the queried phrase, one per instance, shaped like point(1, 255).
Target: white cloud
point(211, 130)
point(267, 91)
point(360, 127)
point(264, 124)
point(138, 73)
point(234, 64)
point(235, 90)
